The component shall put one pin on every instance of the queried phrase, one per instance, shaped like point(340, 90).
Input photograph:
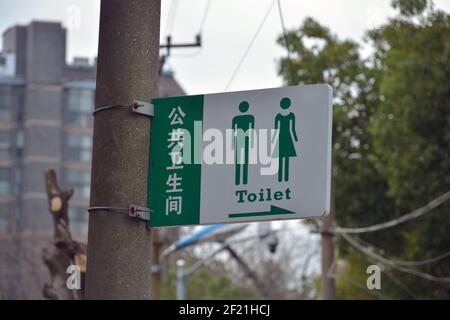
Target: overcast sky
point(229, 27)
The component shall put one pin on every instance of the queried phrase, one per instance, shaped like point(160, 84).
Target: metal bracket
point(156, 268)
point(141, 107)
point(139, 212)
point(144, 108)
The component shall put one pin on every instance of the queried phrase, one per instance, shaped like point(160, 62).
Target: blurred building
point(46, 122)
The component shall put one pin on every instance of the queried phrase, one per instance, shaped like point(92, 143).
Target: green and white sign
point(241, 156)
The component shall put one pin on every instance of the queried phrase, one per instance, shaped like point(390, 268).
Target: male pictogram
point(243, 126)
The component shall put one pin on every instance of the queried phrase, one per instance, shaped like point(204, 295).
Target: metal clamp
point(133, 211)
point(139, 212)
point(141, 107)
point(144, 108)
point(156, 268)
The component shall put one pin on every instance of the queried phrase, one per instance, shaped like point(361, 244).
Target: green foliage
point(410, 7)
point(391, 136)
point(412, 124)
point(351, 280)
point(411, 129)
point(321, 57)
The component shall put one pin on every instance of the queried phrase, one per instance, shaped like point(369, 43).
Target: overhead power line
point(188, 45)
point(404, 218)
point(247, 50)
point(407, 263)
point(361, 287)
point(205, 15)
point(286, 40)
point(377, 257)
point(402, 286)
point(171, 17)
point(423, 262)
point(368, 245)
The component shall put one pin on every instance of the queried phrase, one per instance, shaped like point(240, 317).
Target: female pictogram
point(287, 135)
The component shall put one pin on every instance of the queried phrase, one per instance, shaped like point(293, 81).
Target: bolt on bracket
point(139, 212)
point(144, 108)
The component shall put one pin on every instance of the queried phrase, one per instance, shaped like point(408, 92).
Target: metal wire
point(205, 15)
point(409, 216)
point(247, 50)
point(359, 286)
point(404, 263)
point(171, 17)
point(113, 209)
point(401, 285)
point(133, 211)
point(104, 108)
point(97, 110)
point(280, 11)
point(377, 257)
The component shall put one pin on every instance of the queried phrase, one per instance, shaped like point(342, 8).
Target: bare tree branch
point(65, 250)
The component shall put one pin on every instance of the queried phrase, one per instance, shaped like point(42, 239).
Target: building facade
point(46, 122)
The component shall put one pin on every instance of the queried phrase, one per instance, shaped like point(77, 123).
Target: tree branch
point(65, 250)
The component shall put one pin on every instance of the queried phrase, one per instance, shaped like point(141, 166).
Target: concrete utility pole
point(328, 249)
point(119, 247)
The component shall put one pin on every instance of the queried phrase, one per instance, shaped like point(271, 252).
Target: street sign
point(241, 156)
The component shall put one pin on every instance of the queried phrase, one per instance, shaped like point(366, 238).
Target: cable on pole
point(247, 50)
point(402, 286)
point(404, 218)
point(359, 286)
point(377, 257)
point(423, 262)
point(409, 263)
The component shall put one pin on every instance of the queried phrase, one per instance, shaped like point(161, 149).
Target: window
point(81, 100)
point(80, 182)
point(78, 215)
point(5, 153)
point(19, 107)
point(4, 137)
point(80, 141)
point(79, 177)
point(79, 155)
point(79, 119)
point(80, 105)
point(79, 147)
point(18, 182)
point(5, 106)
point(3, 222)
point(5, 184)
point(4, 187)
point(5, 115)
point(78, 220)
point(5, 148)
point(82, 191)
point(20, 142)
